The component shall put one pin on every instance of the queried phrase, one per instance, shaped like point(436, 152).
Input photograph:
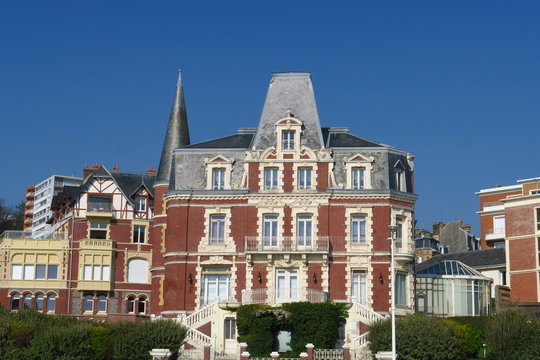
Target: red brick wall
point(322, 176)
point(520, 220)
point(380, 232)
point(259, 269)
point(288, 177)
point(522, 254)
point(381, 292)
point(524, 287)
point(336, 228)
point(336, 281)
point(253, 177)
point(314, 268)
point(244, 223)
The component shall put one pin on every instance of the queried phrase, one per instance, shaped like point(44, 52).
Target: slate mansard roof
point(480, 259)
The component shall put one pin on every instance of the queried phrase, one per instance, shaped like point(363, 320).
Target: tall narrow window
point(538, 219)
point(15, 301)
point(400, 180)
point(216, 284)
point(287, 140)
point(131, 304)
point(358, 229)
point(88, 303)
point(230, 328)
point(27, 301)
point(52, 272)
point(304, 231)
point(40, 271)
point(218, 179)
point(51, 303)
point(270, 178)
point(401, 288)
point(102, 303)
point(140, 204)
point(499, 226)
point(399, 233)
point(304, 178)
point(29, 272)
point(16, 272)
point(358, 178)
point(270, 223)
point(141, 306)
point(217, 229)
point(139, 233)
point(39, 302)
point(358, 286)
point(287, 285)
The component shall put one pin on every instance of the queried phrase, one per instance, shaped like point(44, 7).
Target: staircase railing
point(199, 316)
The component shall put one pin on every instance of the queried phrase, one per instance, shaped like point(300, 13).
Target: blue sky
point(456, 83)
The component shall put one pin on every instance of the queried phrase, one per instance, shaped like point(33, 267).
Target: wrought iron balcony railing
point(287, 243)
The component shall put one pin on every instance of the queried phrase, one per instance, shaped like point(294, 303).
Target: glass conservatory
point(451, 288)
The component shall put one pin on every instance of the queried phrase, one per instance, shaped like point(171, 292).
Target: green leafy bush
point(257, 331)
point(417, 338)
point(508, 336)
point(470, 337)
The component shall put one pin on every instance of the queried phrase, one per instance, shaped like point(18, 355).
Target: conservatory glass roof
point(449, 267)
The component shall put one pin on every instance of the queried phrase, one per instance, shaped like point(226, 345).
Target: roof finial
point(289, 112)
point(179, 83)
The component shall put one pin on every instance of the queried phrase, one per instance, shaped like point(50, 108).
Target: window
point(358, 286)
point(534, 192)
point(399, 232)
point(401, 288)
point(138, 271)
point(39, 302)
point(270, 178)
point(139, 234)
point(217, 229)
point(16, 272)
point(215, 285)
point(538, 219)
point(218, 179)
point(287, 140)
point(358, 178)
point(358, 229)
point(88, 303)
point(51, 303)
point(287, 285)
point(131, 304)
point(304, 231)
point(99, 204)
point(29, 272)
point(40, 272)
point(230, 328)
point(304, 178)
point(400, 180)
point(96, 272)
point(499, 226)
point(140, 204)
point(15, 301)
point(102, 303)
point(270, 223)
point(98, 231)
point(141, 306)
point(27, 301)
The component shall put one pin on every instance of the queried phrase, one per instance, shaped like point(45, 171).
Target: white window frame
point(305, 178)
point(359, 285)
point(270, 231)
point(290, 291)
point(358, 228)
point(401, 183)
point(304, 231)
point(288, 140)
point(220, 278)
point(222, 165)
point(139, 237)
point(216, 233)
point(358, 161)
point(271, 178)
point(401, 288)
point(358, 181)
point(140, 203)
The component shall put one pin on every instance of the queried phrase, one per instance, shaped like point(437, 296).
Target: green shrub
point(508, 335)
point(470, 337)
point(256, 331)
point(417, 338)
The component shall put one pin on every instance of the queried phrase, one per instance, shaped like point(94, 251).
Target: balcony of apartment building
point(495, 234)
point(289, 244)
point(282, 295)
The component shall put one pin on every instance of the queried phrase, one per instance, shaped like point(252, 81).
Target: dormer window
point(358, 169)
point(400, 181)
point(140, 204)
point(219, 171)
point(287, 140)
point(218, 179)
point(358, 180)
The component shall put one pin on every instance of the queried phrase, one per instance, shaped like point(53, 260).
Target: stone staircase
point(359, 342)
point(193, 321)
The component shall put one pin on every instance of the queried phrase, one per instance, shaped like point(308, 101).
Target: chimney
point(116, 168)
point(151, 170)
point(87, 171)
point(437, 228)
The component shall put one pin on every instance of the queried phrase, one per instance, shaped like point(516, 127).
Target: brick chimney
point(87, 171)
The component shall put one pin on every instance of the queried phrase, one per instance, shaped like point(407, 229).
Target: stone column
point(309, 351)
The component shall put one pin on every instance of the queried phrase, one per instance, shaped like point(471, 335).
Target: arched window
point(38, 305)
point(88, 303)
point(138, 271)
point(15, 301)
point(102, 303)
point(141, 306)
point(27, 301)
point(131, 304)
point(51, 302)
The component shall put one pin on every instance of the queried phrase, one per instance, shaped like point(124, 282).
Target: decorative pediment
point(269, 154)
point(219, 159)
point(271, 203)
point(399, 165)
point(289, 121)
point(359, 158)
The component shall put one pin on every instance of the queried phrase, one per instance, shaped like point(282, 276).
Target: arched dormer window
point(358, 169)
point(218, 173)
point(288, 131)
point(400, 178)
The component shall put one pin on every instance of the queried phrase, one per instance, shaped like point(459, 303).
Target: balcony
point(99, 209)
point(495, 234)
point(280, 296)
point(402, 251)
point(29, 235)
point(299, 244)
point(97, 244)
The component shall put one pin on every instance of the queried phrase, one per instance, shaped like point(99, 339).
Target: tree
point(11, 217)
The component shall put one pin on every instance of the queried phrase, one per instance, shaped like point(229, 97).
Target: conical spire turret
point(177, 134)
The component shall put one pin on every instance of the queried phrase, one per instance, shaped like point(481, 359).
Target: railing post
point(206, 352)
point(303, 355)
point(244, 356)
point(309, 351)
point(346, 352)
point(243, 347)
point(274, 355)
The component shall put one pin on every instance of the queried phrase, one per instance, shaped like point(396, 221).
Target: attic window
point(287, 139)
point(140, 204)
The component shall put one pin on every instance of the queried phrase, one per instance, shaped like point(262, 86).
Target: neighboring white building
point(44, 193)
